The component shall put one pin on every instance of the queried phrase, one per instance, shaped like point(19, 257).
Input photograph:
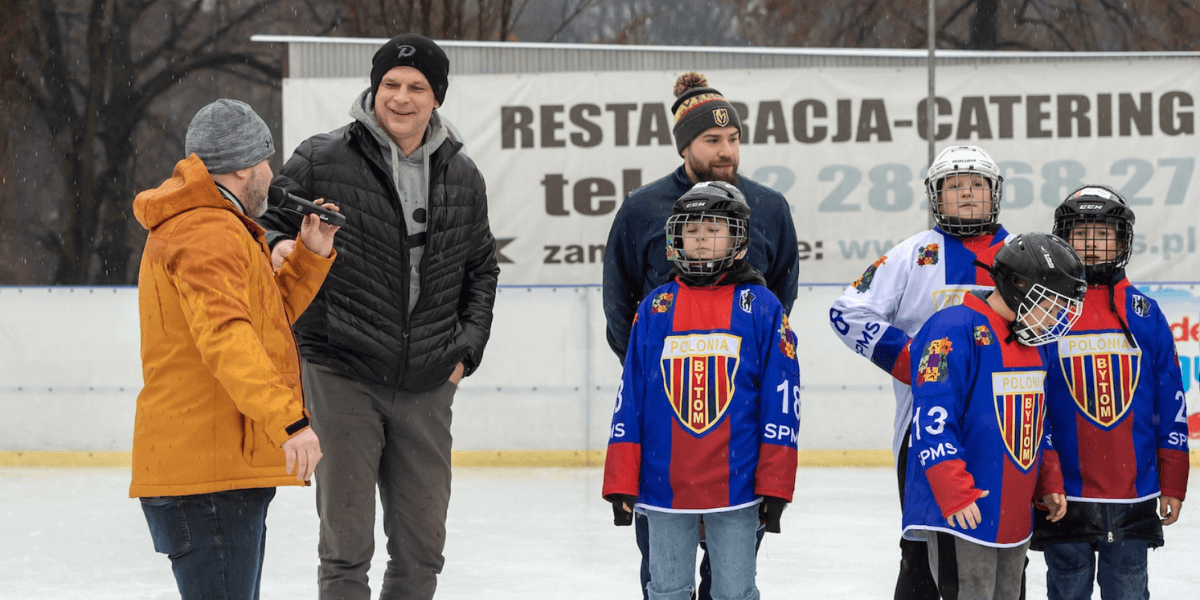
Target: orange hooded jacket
point(220, 367)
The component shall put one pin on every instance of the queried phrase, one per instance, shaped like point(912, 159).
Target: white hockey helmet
point(963, 160)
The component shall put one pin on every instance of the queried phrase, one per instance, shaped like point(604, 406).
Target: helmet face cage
point(1097, 205)
point(1040, 278)
point(963, 161)
point(1045, 315)
point(736, 240)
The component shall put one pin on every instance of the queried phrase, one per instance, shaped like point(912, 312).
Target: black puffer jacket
point(358, 324)
point(1100, 521)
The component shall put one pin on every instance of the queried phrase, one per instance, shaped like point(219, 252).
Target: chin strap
point(1112, 305)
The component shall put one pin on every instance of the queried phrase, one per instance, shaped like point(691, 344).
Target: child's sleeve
point(778, 410)
point(942, 379)
point(623, 461)
point(862, 316)
point(1170, 411)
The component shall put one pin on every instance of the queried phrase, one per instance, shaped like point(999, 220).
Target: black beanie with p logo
point(418, 52)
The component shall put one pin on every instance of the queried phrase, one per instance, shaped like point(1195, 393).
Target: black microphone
point(280, 197)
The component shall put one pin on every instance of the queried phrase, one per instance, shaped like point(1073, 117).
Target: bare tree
point(1066, 25)
point(90, 72)
point(440, 19)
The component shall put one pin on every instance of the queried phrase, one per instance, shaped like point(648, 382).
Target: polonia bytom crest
point(1102, 374)
point(721, 116)
point(1020, 401)
point(698, 375)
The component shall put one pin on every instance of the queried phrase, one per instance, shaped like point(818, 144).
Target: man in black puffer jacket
point(402, 317)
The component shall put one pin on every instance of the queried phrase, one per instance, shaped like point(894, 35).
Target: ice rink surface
point(513, 533)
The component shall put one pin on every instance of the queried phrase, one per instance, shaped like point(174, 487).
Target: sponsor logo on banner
point(1102, 374)
point(927, 255)
point(1020, 402)
point(698, 375)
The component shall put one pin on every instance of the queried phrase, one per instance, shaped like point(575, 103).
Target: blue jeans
point(215, 541)
point(1070, 569)
point(705, 592)
point(731, 538)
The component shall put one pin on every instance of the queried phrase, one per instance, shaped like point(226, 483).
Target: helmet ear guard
point(711, 202)
point(1041, 279)
point(963, 160)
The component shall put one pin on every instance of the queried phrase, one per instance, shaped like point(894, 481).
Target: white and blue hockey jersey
point(880, 311)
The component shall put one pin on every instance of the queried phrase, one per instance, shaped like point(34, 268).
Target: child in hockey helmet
point(1040, 278)
point(963, 188)
point(708, 231)
point(1098, 223)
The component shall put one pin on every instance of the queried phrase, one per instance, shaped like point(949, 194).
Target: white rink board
point(70, 372)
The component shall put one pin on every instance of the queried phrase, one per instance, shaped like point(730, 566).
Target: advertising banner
point(560, 151)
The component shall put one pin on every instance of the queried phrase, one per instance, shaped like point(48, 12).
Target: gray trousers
point(375, 435)
point(965, 570)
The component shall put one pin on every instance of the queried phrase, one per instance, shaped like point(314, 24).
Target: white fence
point(70, 372)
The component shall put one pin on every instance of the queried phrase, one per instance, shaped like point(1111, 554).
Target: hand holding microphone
point(280, 197)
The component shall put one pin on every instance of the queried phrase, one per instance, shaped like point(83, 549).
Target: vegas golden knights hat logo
point(698, 376)
point(721, 116)
point(1020, 411)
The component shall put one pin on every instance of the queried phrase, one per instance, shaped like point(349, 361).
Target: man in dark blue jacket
point(707, 131)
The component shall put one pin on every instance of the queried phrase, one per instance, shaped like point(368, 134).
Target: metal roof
point(333, 57)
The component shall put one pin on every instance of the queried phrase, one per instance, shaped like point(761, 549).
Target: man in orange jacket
point(221, 419)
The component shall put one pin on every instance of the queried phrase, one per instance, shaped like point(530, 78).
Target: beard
point(706, 173)
point(255, 201)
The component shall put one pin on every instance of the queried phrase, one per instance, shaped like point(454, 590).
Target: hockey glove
point(622, 517)
point(770, 511)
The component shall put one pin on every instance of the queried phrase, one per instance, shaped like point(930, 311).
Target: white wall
point(70, 372)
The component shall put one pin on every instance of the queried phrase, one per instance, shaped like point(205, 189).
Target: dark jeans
point(215, 541)
point(642, 528)
point(1071, 568)
point(374, 435)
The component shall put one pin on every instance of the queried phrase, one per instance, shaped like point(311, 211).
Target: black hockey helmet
point(713, 201)
point(1040, 278)
point(1098, 204)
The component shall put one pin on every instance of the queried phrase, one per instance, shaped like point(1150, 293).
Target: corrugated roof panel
point(310, 57)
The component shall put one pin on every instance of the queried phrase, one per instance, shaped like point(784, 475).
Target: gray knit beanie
point(227, 135)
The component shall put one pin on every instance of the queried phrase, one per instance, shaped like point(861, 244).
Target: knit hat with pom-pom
point(699, 108)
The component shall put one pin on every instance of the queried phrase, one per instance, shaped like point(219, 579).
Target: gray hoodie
point(410, 176)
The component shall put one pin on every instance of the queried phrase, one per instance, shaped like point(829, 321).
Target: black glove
point(622, 517)
point(769, 512)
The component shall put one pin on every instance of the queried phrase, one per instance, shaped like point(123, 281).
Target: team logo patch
point(1102, 374)
point(927, 255)
point(721, 116)
point(983, 336)
point(662, 302)
point(863, 283)
point(746, 301)
point(1020, 401)
point(1141, 306)
point(933, 367)
point(787, 339)
point(698, 374)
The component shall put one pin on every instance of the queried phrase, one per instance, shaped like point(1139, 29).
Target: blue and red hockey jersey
point(1117, 410)
point(709, 404)
point(978, 424)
